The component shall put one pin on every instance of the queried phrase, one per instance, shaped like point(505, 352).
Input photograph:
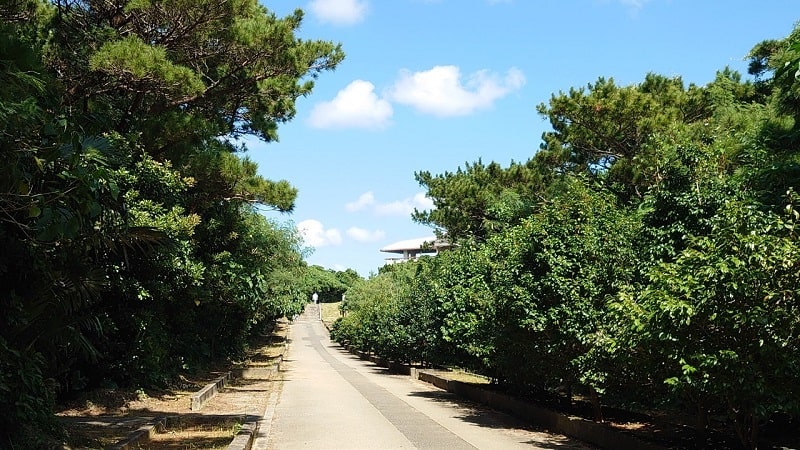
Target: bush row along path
point(331, 399)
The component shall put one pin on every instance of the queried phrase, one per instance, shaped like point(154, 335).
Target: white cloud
point(339, 12)
point(422, 201)
point(439, 91)
point(635, 4)
point(355, 106)
point(404, 207)
point(362, 235)
point(315, 235)
point(364, 200)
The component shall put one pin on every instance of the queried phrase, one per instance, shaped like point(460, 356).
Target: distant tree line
point(646, 255)
point(133, 243)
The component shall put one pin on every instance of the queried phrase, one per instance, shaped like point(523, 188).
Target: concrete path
point(332, 400)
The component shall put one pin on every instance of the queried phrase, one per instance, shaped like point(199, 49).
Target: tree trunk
point(702, 417)
point(568, 401)
point(746, 424)
point(596, 406)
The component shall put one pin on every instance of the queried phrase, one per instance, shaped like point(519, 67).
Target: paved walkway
point(332, 400)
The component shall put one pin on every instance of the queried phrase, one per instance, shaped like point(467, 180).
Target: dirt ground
point(104, 417)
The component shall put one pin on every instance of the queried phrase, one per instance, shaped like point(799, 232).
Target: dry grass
point(464, 376)
point(330, 312)
point(187, 435)
point(104, 417)
point(266, 349)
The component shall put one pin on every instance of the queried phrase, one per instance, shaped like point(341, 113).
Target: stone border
point(144, 434)
point(575, 427)
point(578, 428)
point(571, 426)
point(255, 428)
point(140, 436)
point(259, 427)
point(245, 438)
point(266, 372)
point(205, 394)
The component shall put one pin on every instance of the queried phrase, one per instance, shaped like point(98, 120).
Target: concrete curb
point(259, 372)
point(257, 434)
point(579, 428)
point(259, 428)
point(210, 390)
point(140, 436)
point(245, 438)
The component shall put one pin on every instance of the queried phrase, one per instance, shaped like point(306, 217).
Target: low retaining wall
point(258, 426)
point(245, 437)
point(140, 437)
point(203, 395)
point(579, 428)
point(267, 372)
point(575, 427)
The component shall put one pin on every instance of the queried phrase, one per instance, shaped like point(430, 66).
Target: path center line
point(418, 428)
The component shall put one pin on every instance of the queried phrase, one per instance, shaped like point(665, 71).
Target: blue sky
point(434, 84)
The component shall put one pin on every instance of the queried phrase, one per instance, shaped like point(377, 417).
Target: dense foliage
point(646, 255)
point(133, 243)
